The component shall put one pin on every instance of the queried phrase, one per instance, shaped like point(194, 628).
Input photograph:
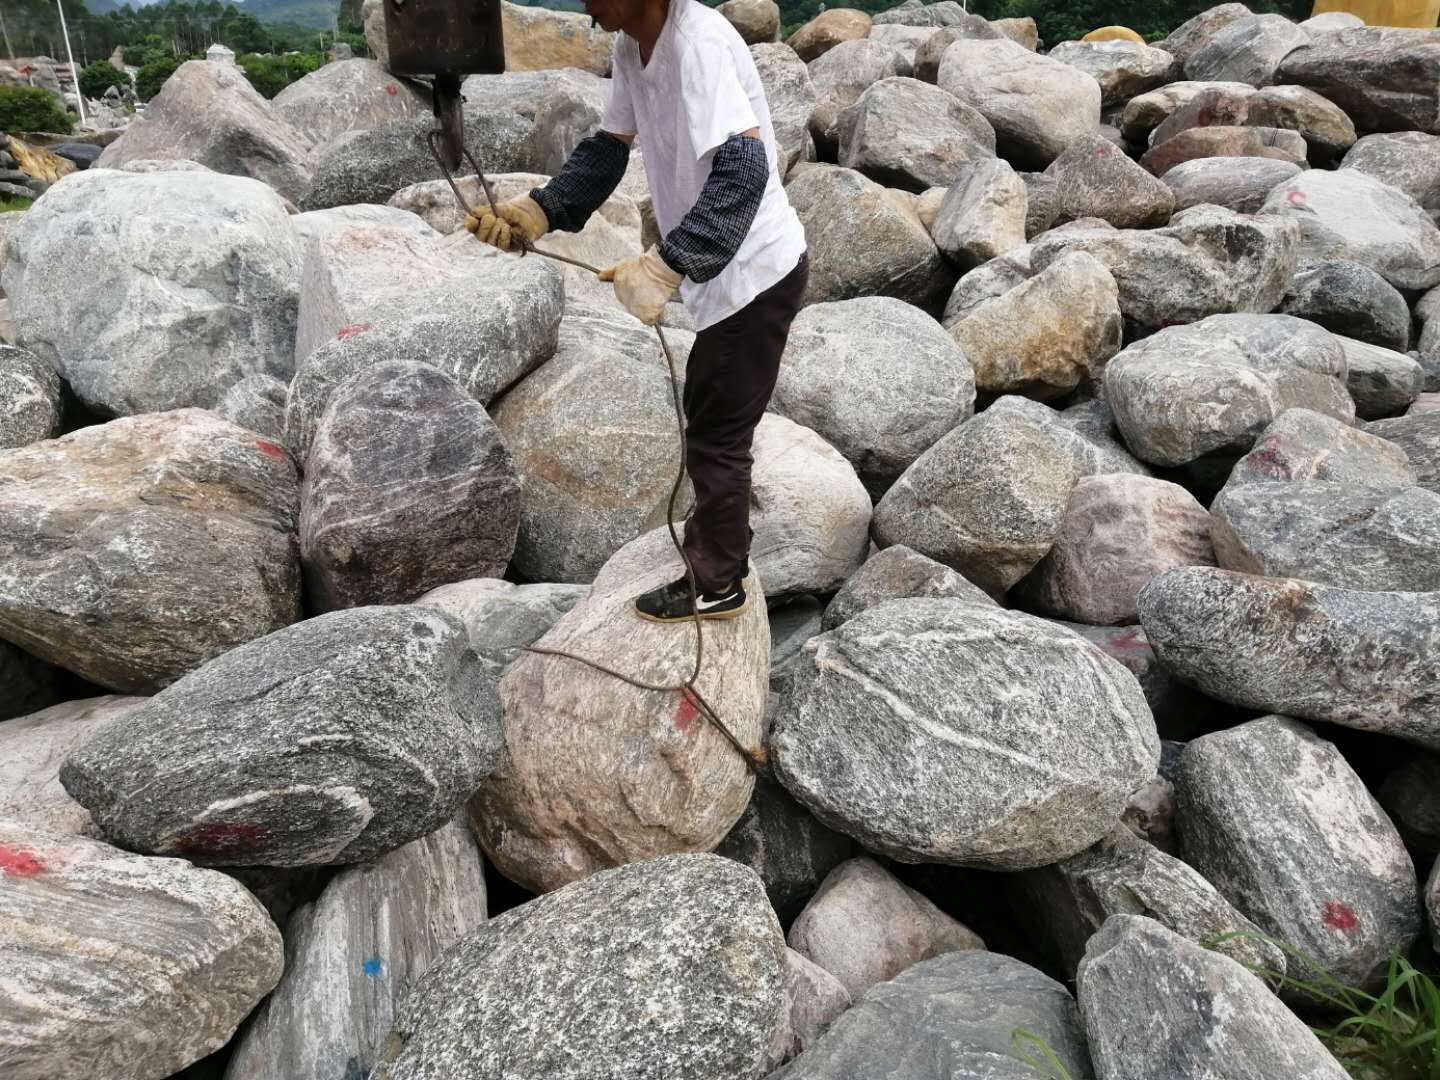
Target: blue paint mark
point(373, 967)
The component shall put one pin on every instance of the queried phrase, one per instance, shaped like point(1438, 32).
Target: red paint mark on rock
point(687, 715)
point(1130, 639)
point(353, 329)
point(19, 862)
point(1297, 198)
point(270, 449)
point(392, 89)
point(220, 838)
point(1340, 917)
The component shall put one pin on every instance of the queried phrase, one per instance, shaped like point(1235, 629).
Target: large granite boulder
point(1304, 445)
point(1385, 78)
point(1327, 130)
point(874, 731)
point(878, 379)
point(1144, 115)
point(908, 134)
point(813, 1000)
point(1164, 388)
point(1124, 69)
point(1037, 106)
point(894, 574)
point(791, 96)
point(121, 966)
point(982, 214)
point(31, 406)
point(1149, 995)
point(1280, 823)
point(1408, 160)
point(210, 114)
point(1241, 184)
point(1248, 50)
point(502, 618)
point(1360, 659)
point(756, 21)
point(1085, 433)
point(195, 286)
point(134, 551)
point(1418, 435)
point(356, 950)
point(673, 966)
point(1383, 382)
point(1353, 300)
point(408, 486)
point(348, 95)
point(256, 403)
point(333, 741)
point(930, 51)
point(827, 30)
point(840, 78)
point(1194, 32)
point(1095, 179)
point(539, 38)
point(652, 772)
point(1198, 143)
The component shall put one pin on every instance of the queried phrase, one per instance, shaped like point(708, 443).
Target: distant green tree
point(271, 74)
point(98, 77)
point(152, 76)
point(28, 108)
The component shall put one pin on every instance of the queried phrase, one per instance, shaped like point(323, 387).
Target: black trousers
point(728, 382)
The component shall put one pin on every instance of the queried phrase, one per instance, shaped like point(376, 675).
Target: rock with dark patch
point(1037, 106)
point(865, 927)
point(1294, 840)
point(355, 952)
point(814, 999)
point(654, 774)
point(1351, 299)
point(674, 966)
point(982, 215)
point(1327, 130)
point(1164, 388)
point(865, 240)
point(31, 408)
point(1120, 530)
point(893, 574)
point(332, 741)
point(908, 134)
point(1122, 68)
point(988, 500)
point(793, 621)
point(1213, 1017)
point(1250, 50)
point(949, 1018)
point(1383, 382)
point(502, 618)
point(840, 78)
point(782, 842)
point(1221, 104)
point(1304, 445)
point(1363, 659)
point(874, 732)
point(878, 379)
point(1123, 875)
point(1418, 435)
point(1241, 184)
point(1408, 160)
point(1411, 796)
point(32, 749)
point(195, 286)
point(827, 30)
point(1196, 31)
point(122, 966)
point(1385, 78)
point(1346, 214)
point(27, 684)
point(1047, 335)
point(408, 486)
point(1207, 261)
point(1094, 179)
point(349, 95)
point(791, 97)
point(1224, 141)
point(178, 544)
point(256, 403)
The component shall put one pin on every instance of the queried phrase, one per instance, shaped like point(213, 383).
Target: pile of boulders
point(1089, 680)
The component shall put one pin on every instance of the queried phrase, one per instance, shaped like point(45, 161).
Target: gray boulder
point(1351, 299)
point(1120, 530)
point(31, 408)
point(1383, 382)
point(354, 953)
point(985, 282)
point(1212, 1018)
point(1418, 435)
point(952, 1018)
point(1241, 184)
point(841, 79)
point(1294, 840)
point(256, 403)
point(1347, 214)
point(1142, 115)
point(1410, 794)
point(122, 966)
point(1304, 445)
point(1196, 31)
point(1095, 179)
point(982, 215)
point(1408, 160)
point(791, 97)
point(908, 134)
point(349, 95)
point(1301, 649)
point(793, 621)
point(210, 114)
point(1327, 130)
point(873, 734)
point(408, 486)
point(865, 927)
point(1164, 388)
point(672, 966)
point(319, 223)
point(894, 574)
point(1249, 50)
point(1224, 141)
point(828, 31)
point(757, 21)
point(1220, 104)
point(876, 378)
point(195, 287)
point(178, 544)
point(988, 500)
point(502, 618)
point(333, 741)
point(1037, 106)
point(915, 13)
point(930, 52)
point(813, 1000)
point(1123, 69)
point(1085, 433)
point(1385, 78)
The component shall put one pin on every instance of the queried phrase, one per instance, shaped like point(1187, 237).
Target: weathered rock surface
point(1164, 388)
point(502, 617)
point(333, 741)
point(1123, 69)
point(932, 49)
point(256, 403)
point(1383, 382)
point(538, 39)
point(1037, 106)
point(1120, 530)
point(1408, 160)
point(1250, 50)
point(210, 114)
point(757, 21)
point(908, 134)
point(134, 551)
point(693, 932)
point(1327, 130)
point(814, 999)
point(987, 281)
point(30, 404)
point(1385, 78)
point(354, 952)
point(791, 96)
point(1220, 104)
point(1351, 299)
point(350, 95)
point(951, 1017)
point(982, 215)
point(1418, 434)
point(1296, 842)
point(1365, 660)
point(652, 772)
point(988, 500)
point(827, 30)
point(840, 78)
point(194, 286)
point(1047, 335)
point(1095, 179)
point(894, 574)
point(872, 733)
point(122, 966)
point(1224, 141)
point(1190, 35)
point(1142, 115)
point(878, 379)
point(1411, 796)
point(1305, 445)
point(1214, 1017)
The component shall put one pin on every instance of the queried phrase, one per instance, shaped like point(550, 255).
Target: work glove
point(644, 284)
point(515, 223)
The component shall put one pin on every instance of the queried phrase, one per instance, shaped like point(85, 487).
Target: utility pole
point(9, 49)
point(74, 74)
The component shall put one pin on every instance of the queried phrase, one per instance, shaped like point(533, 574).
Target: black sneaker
point(672, 603)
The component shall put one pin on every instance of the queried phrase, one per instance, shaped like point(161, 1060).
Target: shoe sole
point(719, 616)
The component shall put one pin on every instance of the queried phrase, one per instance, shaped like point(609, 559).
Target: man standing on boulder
point(685, 83)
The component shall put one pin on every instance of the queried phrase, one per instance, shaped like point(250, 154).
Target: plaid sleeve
point(708, 236)
point(589, 176)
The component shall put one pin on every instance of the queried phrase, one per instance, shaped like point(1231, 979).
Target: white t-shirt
point(699, 89)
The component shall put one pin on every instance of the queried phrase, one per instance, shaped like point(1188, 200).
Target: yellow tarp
point(1424, 13)
point(1116, 33)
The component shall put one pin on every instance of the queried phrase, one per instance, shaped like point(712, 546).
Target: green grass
point(6, 205)
point(1037, 1053)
